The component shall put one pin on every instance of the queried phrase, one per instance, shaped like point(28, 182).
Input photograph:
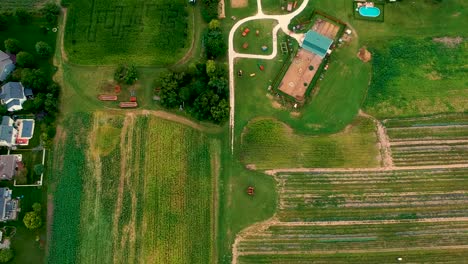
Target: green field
point(377, 211)
point(152, 32)
point(145, 192)
point(268, 144)
point(436, 140)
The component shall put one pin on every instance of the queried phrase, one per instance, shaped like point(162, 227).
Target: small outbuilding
point(316, 43)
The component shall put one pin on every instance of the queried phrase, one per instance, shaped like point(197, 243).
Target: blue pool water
point(369, 11)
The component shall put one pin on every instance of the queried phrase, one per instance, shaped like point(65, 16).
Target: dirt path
point(62, 35)
point(189, 53)
point(384, 141)
point(125, 151)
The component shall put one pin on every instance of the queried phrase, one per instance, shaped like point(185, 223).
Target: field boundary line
point(384, 140)
point(426, 167)
point(426, 142)
point(426, 126)
point(331, 252)
point(374, 222)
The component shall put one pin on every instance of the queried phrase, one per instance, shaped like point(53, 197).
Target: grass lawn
point(275, 7)
point(269, 144)
point(152, 201)
point(144, 33)
point(255, 42)
point(30, 158)
point(28, 35)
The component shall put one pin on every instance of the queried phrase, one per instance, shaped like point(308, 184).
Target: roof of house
point(12, 90)
point(27, 128)
point(28, 92)
point(3, 193)
point(316, 43)
point(6, 133)
point(6, 65)
point(7, 167)
point(13, 103)
point(6, 121)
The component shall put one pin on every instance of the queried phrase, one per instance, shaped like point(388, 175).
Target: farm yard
point(336, 215)
point(146, 191)
point(145, 33)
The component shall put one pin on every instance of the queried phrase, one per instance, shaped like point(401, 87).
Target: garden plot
point(346, 214)
point(428, 141)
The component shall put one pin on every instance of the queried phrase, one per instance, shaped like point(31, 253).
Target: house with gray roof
point(8, 133)
point(8, 166)
point(9, 207)
point(6, 66)
point(12, 95)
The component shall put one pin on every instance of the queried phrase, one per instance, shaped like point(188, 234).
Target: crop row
point(442, 120)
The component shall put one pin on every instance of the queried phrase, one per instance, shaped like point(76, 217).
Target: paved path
point(283, 22)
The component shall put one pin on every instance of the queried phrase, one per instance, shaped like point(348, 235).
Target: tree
point(3, 110)
point(37, 207)
point(24, 17)
point(51, 11)
point(32, 220)
point(50, 104)
point(25, 59)
point(170, 90)
point(6, 255)
point(43, 49)
point(210, 68)
point(203, 103)
point(131, 75)
point(3, 22)
point(209, 9)
point(214, 44)
point(38, 170)
point(214, 24)
point(220, 86)
point(12, 45)
point(35, 79)
point(125, 74)
point(220, 112)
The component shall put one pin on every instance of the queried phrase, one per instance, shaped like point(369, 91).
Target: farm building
point(6, 66)
point(9, 207)
point(316, 43)
point(8, 166)
point(12, 95)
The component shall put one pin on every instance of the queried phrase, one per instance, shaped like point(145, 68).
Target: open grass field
point(152, 32)
point(268, 144)
point(414, 77)
point(342, 215)
point(146, 192)
point(437, 140)
point(278, 7)
point(254, 41)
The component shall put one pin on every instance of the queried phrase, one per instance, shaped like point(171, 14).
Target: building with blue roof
point(6, 66)
point(12, 95)
point(316, 43)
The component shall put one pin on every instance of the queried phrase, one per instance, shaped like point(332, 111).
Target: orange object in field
point(117, 89)
point(133, 99)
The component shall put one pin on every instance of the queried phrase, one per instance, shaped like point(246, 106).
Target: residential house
point(9, 207)
point(8, 133)
point(8, 166)
point(12, 95)
point(6, 66)
point(25, 129)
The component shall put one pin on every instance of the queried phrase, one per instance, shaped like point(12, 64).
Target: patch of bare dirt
point(239, 3)
point(449, 42)
point(364, 55)
point(295, 114)
point(457, 14)
point(433, 76)
point(384, 141)
point(251, 166)
point(275, 104)
point(221, 13)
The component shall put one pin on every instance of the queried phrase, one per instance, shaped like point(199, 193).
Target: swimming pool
point(369, 11)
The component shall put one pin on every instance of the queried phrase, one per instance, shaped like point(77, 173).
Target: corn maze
point(99, 32)
point(357, 214)
point(10, 5)
point(428, 141)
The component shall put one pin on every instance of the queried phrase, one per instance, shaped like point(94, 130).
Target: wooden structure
point(107, 97)
point(128, 104)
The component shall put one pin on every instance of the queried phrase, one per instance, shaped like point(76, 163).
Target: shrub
point(37, 207)
point(25, 59)
point(125, 74)
point(32, 220)
point(38, 170)
point(12, 45)
point(43, 49)
point(6, 255)
point(35, 79)
point(3, 22)
point(24, 17)
point(51, 11)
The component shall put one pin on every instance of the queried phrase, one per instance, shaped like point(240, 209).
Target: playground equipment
point(245, 45)
point(250, 190)
point(264, 48)
point(133, 96)
point(107, 97)
point(117, 89)
point(257, 32)
point(245, 32)
point(261, 67)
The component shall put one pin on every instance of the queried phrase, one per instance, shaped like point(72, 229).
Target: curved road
point(283, 22)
